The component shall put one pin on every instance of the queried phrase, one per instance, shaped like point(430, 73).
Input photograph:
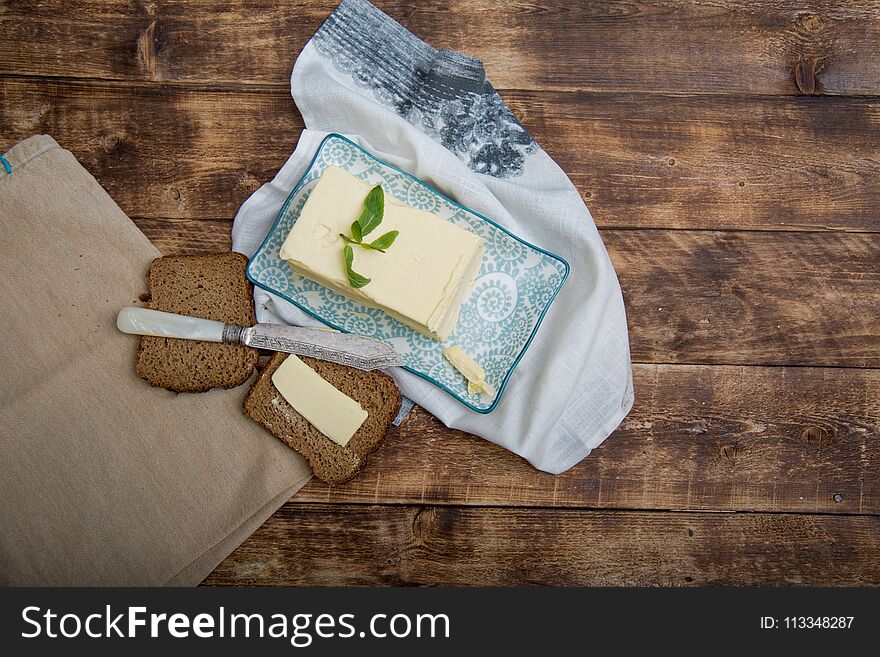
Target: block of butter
point(328, 409)
point(421, 280)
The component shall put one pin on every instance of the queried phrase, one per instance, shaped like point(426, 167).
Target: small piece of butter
point(329, 410)
point(474, 374)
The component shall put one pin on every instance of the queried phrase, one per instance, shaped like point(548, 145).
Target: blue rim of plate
point(451, 393)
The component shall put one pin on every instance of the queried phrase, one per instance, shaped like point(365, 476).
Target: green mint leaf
point(369, 220)
point(374, 209)
point(354, 279)
point(375, 200)
point(383, 242)
point(362, 220)
point(356, 232)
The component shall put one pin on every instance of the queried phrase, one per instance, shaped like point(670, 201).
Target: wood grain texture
point(159, 151)
point(709, 438)
point(750, 298)
point(185, 236)
point(409, 545)
point(668, 162)
point(709, 162)
point(734, 46)
point(743, 298)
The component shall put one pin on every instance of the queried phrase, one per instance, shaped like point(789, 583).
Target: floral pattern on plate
point(499, 317)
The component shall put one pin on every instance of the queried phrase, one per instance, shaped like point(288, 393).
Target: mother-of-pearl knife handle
point(352, 350)
point(143, 321)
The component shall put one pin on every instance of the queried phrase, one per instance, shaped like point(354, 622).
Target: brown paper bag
point(105, 480)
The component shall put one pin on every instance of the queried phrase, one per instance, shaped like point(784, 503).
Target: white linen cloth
point(434, 114)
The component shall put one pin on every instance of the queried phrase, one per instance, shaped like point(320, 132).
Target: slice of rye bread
point(376, 392)
point(210, 286)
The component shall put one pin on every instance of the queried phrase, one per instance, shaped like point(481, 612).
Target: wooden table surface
point(730, 154)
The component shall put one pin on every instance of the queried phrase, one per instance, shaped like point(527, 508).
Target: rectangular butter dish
point(499, 317)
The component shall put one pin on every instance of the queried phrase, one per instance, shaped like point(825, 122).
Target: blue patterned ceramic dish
point(500, 316)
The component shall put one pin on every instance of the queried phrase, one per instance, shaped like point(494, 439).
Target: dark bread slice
point(331, 462)
point(210, 286)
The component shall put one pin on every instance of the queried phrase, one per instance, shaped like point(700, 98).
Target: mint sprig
point(370, 217)
point(378, 244)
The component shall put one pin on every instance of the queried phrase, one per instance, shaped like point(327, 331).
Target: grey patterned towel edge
point(443, 92)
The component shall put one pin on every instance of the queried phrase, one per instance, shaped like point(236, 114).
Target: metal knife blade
point(343, 348)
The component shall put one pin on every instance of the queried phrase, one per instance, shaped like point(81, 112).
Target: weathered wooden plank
point(696, 162)
point(308, 545)
point(709, 162)
point(699, 437)
point(159, 151)
point(750, 298)
point(186, 236)
point(743, 298)
point(736, 46)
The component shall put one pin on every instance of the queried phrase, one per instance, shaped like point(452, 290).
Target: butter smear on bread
point(329, 410)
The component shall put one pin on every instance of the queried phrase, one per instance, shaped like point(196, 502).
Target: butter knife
point(324, 344)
